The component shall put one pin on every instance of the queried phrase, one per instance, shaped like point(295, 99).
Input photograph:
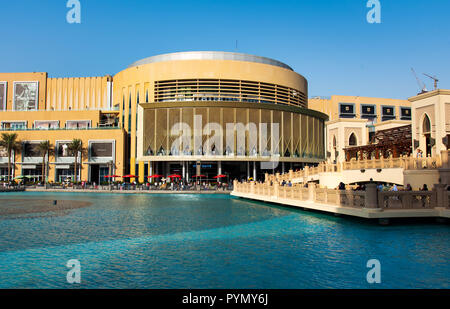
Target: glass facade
point(231, 132)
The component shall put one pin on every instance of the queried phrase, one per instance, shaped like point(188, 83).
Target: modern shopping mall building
point(190, 113)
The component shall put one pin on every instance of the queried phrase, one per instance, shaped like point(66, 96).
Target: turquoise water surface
point(212, 241)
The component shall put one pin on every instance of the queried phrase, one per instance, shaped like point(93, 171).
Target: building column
point(254, 170)
point(187, 171)
point(248, 170)
point(132, 168)
point(282, 167)
point(183, 164)
point(150, 171)
point(141, 172)
point(83, 171)
point(198, 167)
point(219, 168)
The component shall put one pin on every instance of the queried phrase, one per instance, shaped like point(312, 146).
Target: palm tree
point(45, 149)
point(10, 143)
point(75, 148)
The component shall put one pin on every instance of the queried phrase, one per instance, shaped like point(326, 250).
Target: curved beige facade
point(154, 94)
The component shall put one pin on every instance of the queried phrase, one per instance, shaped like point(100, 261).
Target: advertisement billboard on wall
point(26, 96)
point(2, 96)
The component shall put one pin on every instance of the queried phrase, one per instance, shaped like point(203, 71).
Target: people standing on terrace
point(419, 153)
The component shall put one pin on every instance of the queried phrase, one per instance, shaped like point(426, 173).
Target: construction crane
point(419, 82)
point(435, 80)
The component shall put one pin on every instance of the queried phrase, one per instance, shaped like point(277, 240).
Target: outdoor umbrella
point(155, 176)
point(174, 176)
point(129, 176)
point(112, 176)
point(220, 176)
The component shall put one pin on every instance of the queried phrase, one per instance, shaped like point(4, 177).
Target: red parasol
point(129, 176)
point(155, 176)
point(220, 176)
point(175, 176)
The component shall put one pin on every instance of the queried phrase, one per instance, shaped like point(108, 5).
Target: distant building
point(353, 120)
point(431, 121)
point(152, 118)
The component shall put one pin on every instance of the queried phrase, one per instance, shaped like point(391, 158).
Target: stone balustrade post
point(407, 200)
point(277, 177)
point(235, 185)
point(440, 193)
point(338, 197)
point(291, 174)
point(276, 189)
point(406, 163)
point(444, 159)
point(311, 192)
point(252, 187)
point(371, 196)
point(266, 177)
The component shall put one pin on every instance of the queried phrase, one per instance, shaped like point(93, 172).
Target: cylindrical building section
point(218, 108)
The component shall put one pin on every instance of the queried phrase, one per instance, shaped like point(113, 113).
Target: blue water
point(212, 241)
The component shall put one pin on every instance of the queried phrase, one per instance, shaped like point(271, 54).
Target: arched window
point(352, 140)
point(426, 126)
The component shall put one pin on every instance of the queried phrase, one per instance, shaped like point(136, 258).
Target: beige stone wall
point(435, 104)
point(342, 129)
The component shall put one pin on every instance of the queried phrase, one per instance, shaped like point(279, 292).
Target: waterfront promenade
point(138, 191)
point(369, 204)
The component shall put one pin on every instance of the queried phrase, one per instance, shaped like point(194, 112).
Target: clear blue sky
point(329, 42)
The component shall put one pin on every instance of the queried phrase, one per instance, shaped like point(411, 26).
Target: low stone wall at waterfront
point(359, 203)
point(6, 189)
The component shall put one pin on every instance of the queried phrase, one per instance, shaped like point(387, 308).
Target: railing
point(407, 200)
point(384, 200)
point(12, 189)
point(406, 163)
